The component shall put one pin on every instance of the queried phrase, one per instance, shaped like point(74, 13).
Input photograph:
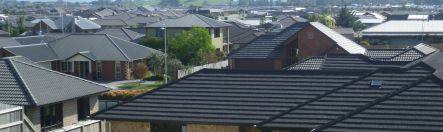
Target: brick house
point(279, 49)
point(66, 23)
point(91, 56)
point(311, 100)
point(51, 100)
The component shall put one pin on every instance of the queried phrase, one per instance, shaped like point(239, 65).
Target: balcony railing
point(83, 126)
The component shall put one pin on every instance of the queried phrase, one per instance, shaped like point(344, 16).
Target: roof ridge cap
point(316, 98)
point(199, 17)
point(16, 71)
point(118, 47)
point(371, 104)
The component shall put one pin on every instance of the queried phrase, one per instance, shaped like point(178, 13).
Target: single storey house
point(89, 56)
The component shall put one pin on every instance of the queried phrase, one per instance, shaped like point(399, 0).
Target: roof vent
point(376, 83)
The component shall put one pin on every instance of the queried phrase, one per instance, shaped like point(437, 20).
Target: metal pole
point(166, 56)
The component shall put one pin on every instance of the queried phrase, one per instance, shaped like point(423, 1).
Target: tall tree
point(345, 18)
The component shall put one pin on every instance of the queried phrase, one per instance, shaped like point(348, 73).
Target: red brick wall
point(108, 68)
point(318, 45)
point(44, 28)
point(5, 53)
point(253, 64)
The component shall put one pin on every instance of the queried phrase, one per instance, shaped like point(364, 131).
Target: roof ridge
point(316, 98)
point(118, 47)
point(199, 17)
point(16, 71)
point(371, 104)
point(59, 73)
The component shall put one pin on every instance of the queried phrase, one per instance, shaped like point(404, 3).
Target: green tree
point(191, 47)
point(157, 65)
point(327, 20)
point(345, 18)
point(170, 3)
point(153, 42)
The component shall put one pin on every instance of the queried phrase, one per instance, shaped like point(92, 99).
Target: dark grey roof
point(375, 58)
point(223, 96)
point(122, 33)
point(34, 40)
point(142, 20)
point(241, 34)
point(348, 99)
point(328, 100)
point(100, 46)
point(310, 63)
point(35, 52)
point(190, 21)
point(25, 83)
point(268, 46)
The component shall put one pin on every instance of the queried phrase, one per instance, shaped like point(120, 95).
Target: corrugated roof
point(348, 45)
point(405, 28)
point(190, 21)
point(25, 83)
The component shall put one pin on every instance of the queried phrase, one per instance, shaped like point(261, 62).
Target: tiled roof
point(122, 33)
point(190, 21)
point(110, 22)
point(101, 46)
point(24, 83)
point(268, 46)
point(222, 96)
point(310, 63)
point(405, 28)
point(344, 100)
point(374, 58)
point(407, 99)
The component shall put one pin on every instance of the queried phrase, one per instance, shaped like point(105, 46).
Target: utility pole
point(166, 54)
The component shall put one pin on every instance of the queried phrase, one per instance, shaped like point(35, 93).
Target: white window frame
point(69, 66)
point(118, 70)
point(99, 70)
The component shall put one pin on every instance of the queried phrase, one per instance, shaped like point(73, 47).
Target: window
point(216, 32)
point(66, 66)
point(165, 127)
point(51, 117)
point(99, 70)
point(118, 70)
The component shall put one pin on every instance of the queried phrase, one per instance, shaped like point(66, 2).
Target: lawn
point(141, 86)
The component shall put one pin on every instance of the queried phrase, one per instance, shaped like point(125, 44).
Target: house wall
point(312, 42)
point(5, 53)
point(217, 42)
point(70, 115)
point(33, 113)
point(45, 28)
point(108, 68)
point(129, 126)
point(252, 64)
point(94, 103)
